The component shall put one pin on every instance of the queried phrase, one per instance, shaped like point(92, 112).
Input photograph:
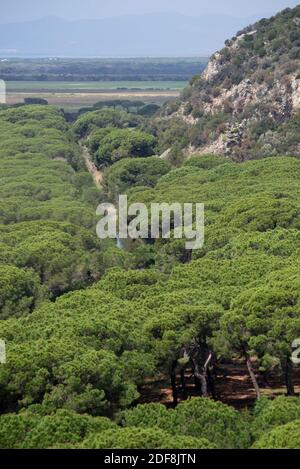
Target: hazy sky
point(20, 10)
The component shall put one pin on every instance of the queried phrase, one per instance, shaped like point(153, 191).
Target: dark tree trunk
point(173, 384)
point(183, 385)
point(266, 379)
point(252, 376)
point(42, 275)
point(196, 380)
point(289, 378)
point(211, 384)
point(204, 389)
point(197, 384)
point(215, 372)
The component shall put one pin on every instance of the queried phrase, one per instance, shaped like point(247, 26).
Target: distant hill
point(159, 34)
point(246, 104)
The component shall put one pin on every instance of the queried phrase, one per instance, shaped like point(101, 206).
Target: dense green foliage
point(284, 437)
point(129, 173)
point(91, 350)
point(123, 143)
point(102, 118)
point(272, 414)
point(46, 211)
point(87, 326)
point(218, 423)
point(112, 135)
point(240, 292)
point(20, 291)
point(33, 429)
point(195, 424)
point(182, 308)
point(143, 438)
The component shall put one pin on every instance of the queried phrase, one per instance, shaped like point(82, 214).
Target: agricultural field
point(75, 83)
point(95, 86)
point(75, 95)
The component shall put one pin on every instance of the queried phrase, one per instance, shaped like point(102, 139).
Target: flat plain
point(74, 95)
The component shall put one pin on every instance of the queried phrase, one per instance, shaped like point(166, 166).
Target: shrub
point(271, 414)
point(143, 438)
point(134, 172)
point(123, 143)
point(37, 431)
point(205, 161)
point(283, 437)
point(197, 418)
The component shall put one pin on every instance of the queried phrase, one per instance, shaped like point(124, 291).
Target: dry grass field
point(77, 95)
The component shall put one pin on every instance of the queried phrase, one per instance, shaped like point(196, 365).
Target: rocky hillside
point(247, 102)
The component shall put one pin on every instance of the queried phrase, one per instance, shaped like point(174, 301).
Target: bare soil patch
point(233, 387)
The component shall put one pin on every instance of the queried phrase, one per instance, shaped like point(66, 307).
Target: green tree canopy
point(274, 413)
point(143, 438)
point(283, 437)
point(31, 430)
point(129, 173)
point(102, 118)
point(20, 291)
point(197, 418)
point(124, 143)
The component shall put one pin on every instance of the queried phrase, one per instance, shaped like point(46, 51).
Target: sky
point(23, 10)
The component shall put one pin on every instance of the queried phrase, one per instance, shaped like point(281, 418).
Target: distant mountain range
point(167, 34)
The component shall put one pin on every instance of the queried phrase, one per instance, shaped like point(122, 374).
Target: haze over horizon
point(18, 10)
point(122, 29)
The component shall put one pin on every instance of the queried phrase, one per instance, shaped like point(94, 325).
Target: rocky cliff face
point(249, 94)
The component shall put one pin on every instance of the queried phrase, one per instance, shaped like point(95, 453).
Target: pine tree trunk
point(211, 384)
point(201, 377)
point(253, 377)
point(173, 384)
point(183, 385)
point(289, 378)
